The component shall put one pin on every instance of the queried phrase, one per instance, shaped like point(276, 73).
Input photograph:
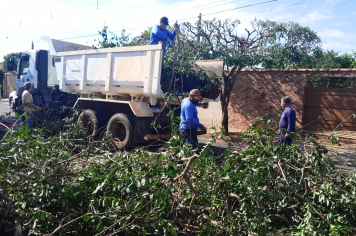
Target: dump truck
point(117, 89)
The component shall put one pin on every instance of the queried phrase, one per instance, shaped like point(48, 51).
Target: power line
point(240, 7)
point(217, 12)
point(156, 19)
point(251, 5)
point(298, 3)
point(213, 6)
point(277, 9)
point(320, 10)
point(295, 4)
point(204, 5)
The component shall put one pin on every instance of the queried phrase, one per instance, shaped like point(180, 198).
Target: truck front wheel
point(121, 131)
point(89, 121)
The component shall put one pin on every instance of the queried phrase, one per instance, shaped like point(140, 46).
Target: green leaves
point(43, 216)
point(137, 191)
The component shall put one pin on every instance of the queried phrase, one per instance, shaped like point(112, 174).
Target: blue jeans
point(190, 136)
point(29, 120)
point(286, 141)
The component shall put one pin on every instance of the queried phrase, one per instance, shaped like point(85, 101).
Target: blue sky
point(77, 20)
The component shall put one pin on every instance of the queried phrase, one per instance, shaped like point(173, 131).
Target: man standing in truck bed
point(160, 33)
point(189, 118)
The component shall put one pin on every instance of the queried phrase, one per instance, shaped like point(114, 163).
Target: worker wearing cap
point(29, 107)
point(159, 33)
point(287, 121)
point(189, 118)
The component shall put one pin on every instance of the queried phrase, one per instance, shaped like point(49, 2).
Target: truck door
point(23, 74)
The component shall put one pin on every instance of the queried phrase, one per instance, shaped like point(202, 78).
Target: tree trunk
point(225, 99)
point(228, 84)
point(225, 116)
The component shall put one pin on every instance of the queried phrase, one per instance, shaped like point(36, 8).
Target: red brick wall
point(259, 93)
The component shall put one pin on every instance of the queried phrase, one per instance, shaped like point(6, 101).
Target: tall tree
point(290, 46)
point(10, 62)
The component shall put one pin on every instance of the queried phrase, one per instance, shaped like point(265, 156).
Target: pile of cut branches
point(70, 184)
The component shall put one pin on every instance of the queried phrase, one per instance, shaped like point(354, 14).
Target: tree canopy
point(332, 59)
point(11, 60)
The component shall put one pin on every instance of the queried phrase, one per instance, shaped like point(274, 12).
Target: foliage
point(12, 59)
point(332, 59)
point(180, 74)
point(110, 39)
point(141, 40)
point(290, 46)
point(69, 184)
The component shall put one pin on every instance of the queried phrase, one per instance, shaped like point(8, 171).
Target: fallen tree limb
point(276, 217)
point(184, 175)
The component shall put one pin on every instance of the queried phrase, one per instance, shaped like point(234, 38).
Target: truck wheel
point(121, 131)
point(89, 121)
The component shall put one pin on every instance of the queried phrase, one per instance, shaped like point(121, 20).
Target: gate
point(337, 104)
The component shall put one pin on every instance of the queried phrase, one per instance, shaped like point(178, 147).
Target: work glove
point(204, 105)
point(170, 42)
point(176, 25)
point(203, 129)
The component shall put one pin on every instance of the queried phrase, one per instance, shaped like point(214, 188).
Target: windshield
point(24, 65)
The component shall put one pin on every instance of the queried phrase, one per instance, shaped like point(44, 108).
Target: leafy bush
point(69, 184)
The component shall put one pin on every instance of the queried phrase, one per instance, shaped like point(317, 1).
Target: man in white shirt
point(29, 107)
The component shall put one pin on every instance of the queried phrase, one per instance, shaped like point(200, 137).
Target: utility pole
point(199, 27)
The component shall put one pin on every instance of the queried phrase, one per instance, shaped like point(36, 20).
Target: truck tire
point(90, 122)
point(121, 131)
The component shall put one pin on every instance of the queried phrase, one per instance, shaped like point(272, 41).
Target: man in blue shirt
point(189, 118)
point(287, 122)
point(160, 33)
